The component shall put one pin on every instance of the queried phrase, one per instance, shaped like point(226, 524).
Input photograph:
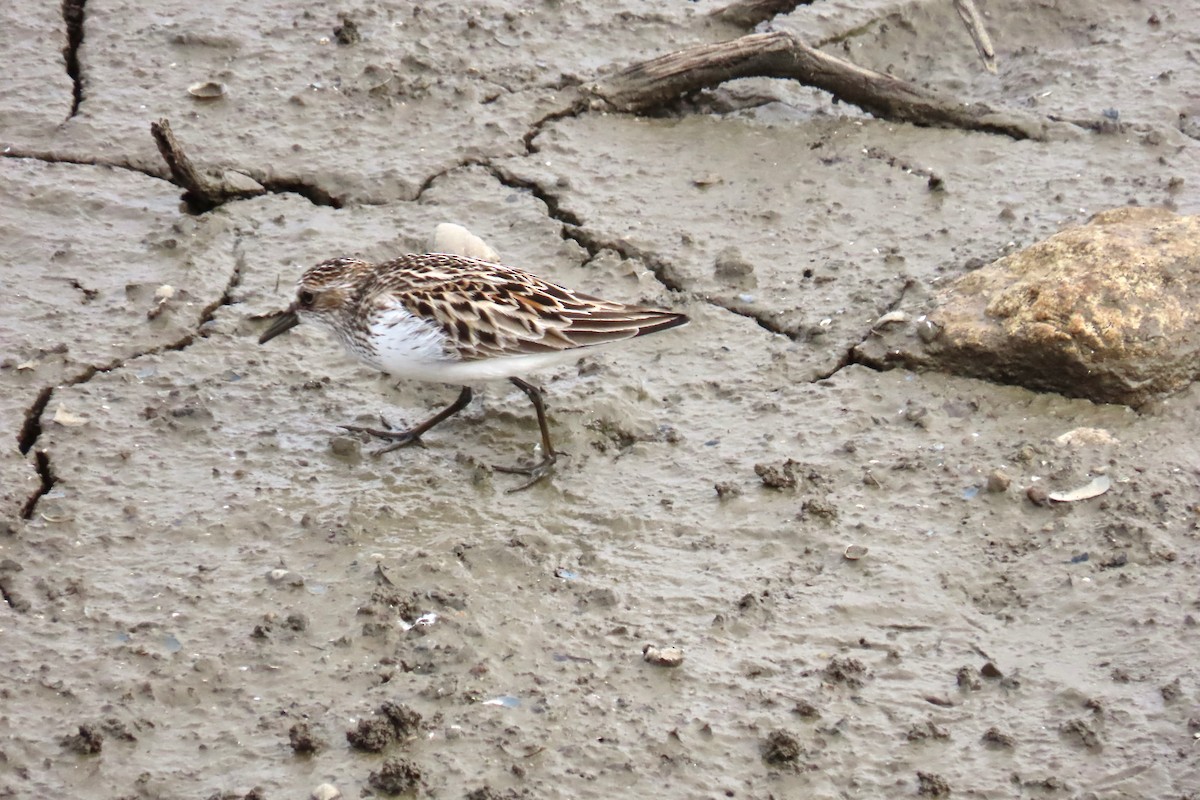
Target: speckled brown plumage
point(448, 318)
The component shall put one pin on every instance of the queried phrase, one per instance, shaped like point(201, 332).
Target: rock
point(457, 240)
point(998, 481)
point(662, 656)
point(1107, 311)
point(326, 791)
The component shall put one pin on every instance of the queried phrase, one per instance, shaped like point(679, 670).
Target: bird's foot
point(535, 472)
point(397, 438)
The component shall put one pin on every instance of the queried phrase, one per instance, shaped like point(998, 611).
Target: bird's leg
point(413, 435)
point(549, 455)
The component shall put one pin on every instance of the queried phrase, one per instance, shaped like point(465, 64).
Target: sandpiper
point(451, 319)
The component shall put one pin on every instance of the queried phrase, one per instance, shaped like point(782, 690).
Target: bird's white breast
point(407, 346)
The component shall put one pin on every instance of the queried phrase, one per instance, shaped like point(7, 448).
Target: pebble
point(285, 577)
point(207, 90)
point(998, 481)
point(326, 791)
point(662, 656)
point(854, 552)
point(451, 238)
point(1038, 496)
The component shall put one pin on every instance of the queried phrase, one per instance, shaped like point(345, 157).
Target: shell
point(207, 90)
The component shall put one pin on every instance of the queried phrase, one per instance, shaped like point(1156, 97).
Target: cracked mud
point(205, 586)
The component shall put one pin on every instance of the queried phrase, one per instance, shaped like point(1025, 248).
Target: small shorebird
point(451, 319)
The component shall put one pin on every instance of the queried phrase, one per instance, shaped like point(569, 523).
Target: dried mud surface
point(210, 591)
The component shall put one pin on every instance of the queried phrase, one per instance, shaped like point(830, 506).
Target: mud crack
point(72, 11)
point(31, 430)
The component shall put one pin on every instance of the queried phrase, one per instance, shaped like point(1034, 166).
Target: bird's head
point(323, 295)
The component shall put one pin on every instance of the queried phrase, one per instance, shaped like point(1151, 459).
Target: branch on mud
point(779, 54)
point(201, 192)
point(748, 13)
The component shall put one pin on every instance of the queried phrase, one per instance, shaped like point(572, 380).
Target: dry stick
point(748, 13)
point(198, 190)
point(974, 21)
point(201, 192)
point(654, 83)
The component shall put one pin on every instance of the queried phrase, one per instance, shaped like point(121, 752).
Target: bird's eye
point(306, 298)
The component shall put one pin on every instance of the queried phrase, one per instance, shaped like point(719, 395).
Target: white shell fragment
point(1079, 437)
point(66, 418)
point(890, 318)
point(207, 90)
point(457, 240)
point(662, 656)
point(162, 296)
point(1099, 485)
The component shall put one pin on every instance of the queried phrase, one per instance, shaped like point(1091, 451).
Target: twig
point(974, 21)
point(200, 192)
point(180, 165)
point(779, 54)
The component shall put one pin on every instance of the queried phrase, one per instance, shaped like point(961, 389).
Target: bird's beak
point(284, 322)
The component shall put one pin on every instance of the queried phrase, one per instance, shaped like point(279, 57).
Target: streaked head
point(322, 296)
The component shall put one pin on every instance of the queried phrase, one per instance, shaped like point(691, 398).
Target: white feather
point(412, 348)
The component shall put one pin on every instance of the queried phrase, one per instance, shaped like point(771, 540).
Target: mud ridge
point(553, 208)
point(72, 11)
point(314, 194)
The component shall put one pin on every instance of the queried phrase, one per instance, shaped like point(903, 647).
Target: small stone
point(285, 577)
point(993, 737)
point(326, 791)
point(449, 237)
point(998, 481)
point(662, 656)
point(991, 671)
point(854, 552)
point(1038, 496)
point(726, 489)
